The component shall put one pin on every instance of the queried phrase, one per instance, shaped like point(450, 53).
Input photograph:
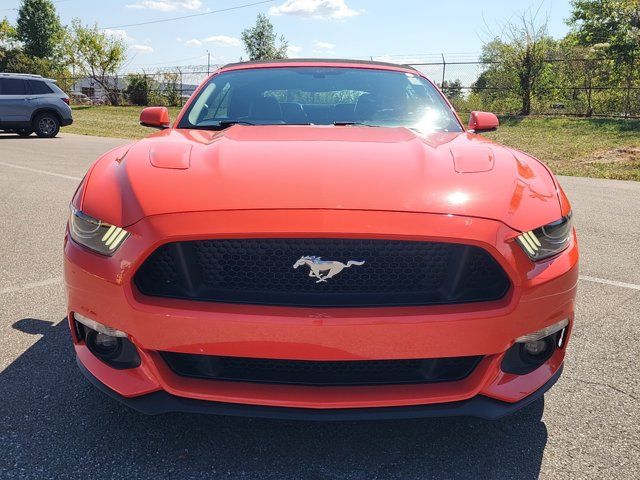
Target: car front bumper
point(161, 402)
point(101, 288)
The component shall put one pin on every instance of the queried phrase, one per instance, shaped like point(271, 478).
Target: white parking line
point(45, 172)
point(632, 286)
point(27, 286)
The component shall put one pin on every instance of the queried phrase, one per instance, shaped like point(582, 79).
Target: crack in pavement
point(589, 382)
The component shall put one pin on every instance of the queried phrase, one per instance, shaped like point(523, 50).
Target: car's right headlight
point(96, 235)
point(548, 240)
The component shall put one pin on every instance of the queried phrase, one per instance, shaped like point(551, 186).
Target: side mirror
point(483, 122)
point(155, 117)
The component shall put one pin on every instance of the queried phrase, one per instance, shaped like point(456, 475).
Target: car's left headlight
point(548, 240)
point(95, 234)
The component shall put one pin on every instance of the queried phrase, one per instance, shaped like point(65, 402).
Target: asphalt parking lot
point(53, 424)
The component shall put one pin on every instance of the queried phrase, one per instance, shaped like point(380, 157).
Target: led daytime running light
point(545, 332)
point(98, 327)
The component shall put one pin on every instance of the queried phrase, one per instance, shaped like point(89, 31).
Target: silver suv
point(30, 103)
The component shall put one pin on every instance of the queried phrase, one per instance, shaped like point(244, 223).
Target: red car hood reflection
point(316, 167)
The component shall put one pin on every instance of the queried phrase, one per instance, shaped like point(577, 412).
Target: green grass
point(107, 121)
point(596, 147)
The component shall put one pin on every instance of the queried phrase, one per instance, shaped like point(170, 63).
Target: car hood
point(316, 167)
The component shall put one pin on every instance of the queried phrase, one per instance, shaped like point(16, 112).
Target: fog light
point(105, 347)
point(107, 344)
point(532, 350)
point(536, 348)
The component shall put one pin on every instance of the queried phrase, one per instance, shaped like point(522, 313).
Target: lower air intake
point(305, 372)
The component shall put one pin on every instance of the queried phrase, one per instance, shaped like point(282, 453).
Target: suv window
point(12, 86)
point(39, 87)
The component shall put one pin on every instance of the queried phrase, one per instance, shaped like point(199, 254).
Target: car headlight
point(95, 234)
point(547, 241)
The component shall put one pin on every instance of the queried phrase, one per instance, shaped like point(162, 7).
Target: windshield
point(320, 96)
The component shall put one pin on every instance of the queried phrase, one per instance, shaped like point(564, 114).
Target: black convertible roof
point(319, 60)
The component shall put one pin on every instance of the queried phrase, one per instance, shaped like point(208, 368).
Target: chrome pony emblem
point(324, 269)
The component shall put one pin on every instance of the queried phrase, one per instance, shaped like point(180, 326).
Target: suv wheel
point(24, 132)
point(46, 125)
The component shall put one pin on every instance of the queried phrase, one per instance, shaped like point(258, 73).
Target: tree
point(613, 25)
point(14, 59)
point(170, 88)
point(138, 87)
point(99, 56)
point(7, 39)
point(579, 72)
point(519, 56)
point(38, 28)
point(7, 34)
point(452, 89)
point(260, 41)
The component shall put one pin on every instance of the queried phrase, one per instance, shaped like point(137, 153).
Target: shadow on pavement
point(15, 136)
point(55, 425)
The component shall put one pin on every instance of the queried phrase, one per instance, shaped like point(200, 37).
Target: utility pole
point(208, 62)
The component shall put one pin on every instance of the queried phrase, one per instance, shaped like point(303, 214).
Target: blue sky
point(398, 30)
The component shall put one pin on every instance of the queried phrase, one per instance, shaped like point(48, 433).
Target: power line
point(162, 20)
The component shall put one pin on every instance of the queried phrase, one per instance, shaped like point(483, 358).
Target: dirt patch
point(615, 155)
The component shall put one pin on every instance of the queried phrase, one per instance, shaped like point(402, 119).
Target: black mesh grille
point(260, 271)
point(305, 372)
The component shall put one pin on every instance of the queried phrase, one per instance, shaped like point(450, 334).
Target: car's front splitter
point(479, 406)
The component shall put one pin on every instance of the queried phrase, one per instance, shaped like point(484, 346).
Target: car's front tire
point(46, 125)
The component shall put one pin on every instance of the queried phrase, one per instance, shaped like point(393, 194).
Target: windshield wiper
point(220, 125)
point(228, 123)
point(357, 124)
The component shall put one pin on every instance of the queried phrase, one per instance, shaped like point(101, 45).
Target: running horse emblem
point(324, 269)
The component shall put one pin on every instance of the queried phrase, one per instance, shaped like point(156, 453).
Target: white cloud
point(325, 9)
point(167, 5)
point(142, 48)
point(194, 42)
point(224, 40)
point(119, 34)
point(324, 45)
point(124, 36)
point(293, 50)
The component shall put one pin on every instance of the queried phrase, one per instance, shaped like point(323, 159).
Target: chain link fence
point(580, 87)
point(169, 87)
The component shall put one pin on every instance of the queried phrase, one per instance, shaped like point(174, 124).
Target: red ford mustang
point(320, 240)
